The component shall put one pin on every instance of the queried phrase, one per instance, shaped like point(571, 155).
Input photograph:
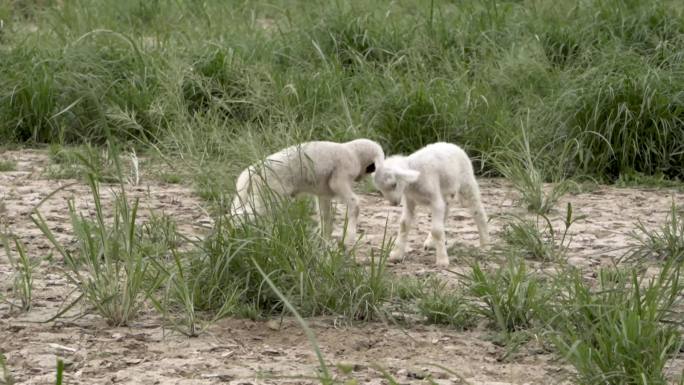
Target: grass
point(622, 331)
point(446, 306)
point(7, 378)
point(521, 165)
point(600, 87)
point(159, 235)
point(539, 239)
point(629, 122)
point(511, 297)
point(318, 278)
point(24, 268)
point(79, 162)
point(109, 267)
point(657, 180)
point(325, 377)
point(177, 301)
point(60, 372)
point(526, 237)
point(666, 243)
point(170, 177)
point(7, 165)
point(219, 274)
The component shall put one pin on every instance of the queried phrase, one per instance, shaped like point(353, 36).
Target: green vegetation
point(443, 305)
point(80, 162)
point(539, 239)
point(622, 331)
point(109, 266)
point(599, 83)
point(512, 298)
point(6, 378)
point(7, 165)
point(316, 277)
point(665, 243)
point(23, 276)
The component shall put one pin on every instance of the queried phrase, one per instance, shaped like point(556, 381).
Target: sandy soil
point(238, 351)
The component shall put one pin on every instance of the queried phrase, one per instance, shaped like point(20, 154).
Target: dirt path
point(247, 352)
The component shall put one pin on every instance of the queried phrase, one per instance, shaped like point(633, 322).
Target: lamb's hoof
point(442, 263)
point(395, 256)
point(429, 244)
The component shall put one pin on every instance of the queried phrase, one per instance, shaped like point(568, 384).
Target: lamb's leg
point(470, 194)
point(437, 232)
point(324, 211)
point(429, 243)
point(342, 189)
point(407, 217)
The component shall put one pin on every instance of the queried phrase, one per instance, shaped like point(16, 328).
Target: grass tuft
point(109, 266)
point(447, 306)
point(666, 243)
point(539, 239)
point(620, 332)
point(8, 165)
point(511, 297)
point(24, 268)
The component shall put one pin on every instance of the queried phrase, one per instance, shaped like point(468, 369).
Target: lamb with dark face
point(431, 176)
point(326, 170)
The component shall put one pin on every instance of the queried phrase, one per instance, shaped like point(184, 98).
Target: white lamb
point(326, 170)
point(431, 176)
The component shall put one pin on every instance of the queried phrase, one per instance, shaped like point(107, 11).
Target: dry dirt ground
point(240, 351)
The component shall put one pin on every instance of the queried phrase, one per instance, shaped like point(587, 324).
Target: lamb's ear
point(408, 175)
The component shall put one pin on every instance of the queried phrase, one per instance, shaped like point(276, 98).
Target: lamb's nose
point(394, 203)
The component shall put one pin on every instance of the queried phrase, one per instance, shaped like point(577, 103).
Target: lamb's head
point(369, 154)
point(391, 179)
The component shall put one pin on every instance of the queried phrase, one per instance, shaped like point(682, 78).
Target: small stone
point(132, 361)
point(218, 376)
point(273, 324)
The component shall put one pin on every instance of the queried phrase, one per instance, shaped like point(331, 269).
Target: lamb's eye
point(393, 186)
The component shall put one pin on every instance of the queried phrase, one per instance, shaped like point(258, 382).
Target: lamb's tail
point(470, 196)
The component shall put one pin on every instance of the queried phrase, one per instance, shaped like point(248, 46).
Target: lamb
point(323, 169)
point(430, 176)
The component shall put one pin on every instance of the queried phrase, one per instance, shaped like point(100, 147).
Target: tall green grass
point(96, 86)
point(236, 80)
point(525, 169)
